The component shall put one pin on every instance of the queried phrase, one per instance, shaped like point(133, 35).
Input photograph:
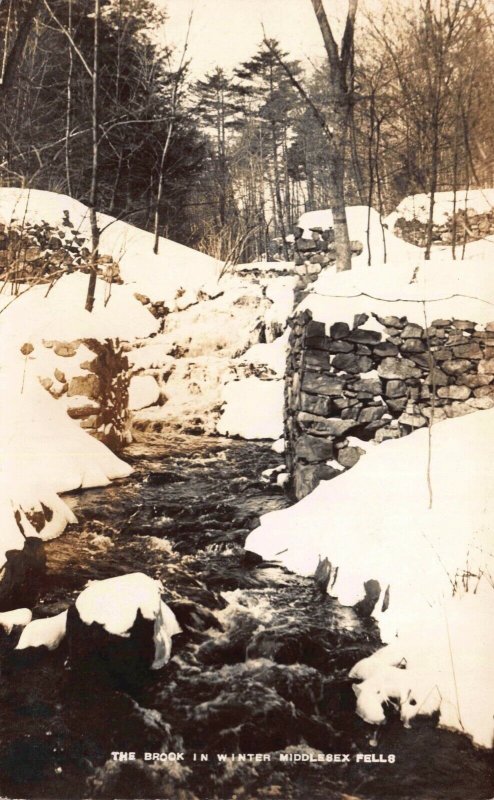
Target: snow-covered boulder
point(17, 617)
point(143, 392)
point(47, 632)
point(121, 625)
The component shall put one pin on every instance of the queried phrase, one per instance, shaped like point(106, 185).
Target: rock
point(436, 377)
point(59, 375)
point(489, 326)
point(397, 405)
point(121, 626)
point(313, 448)
point(18, 617)
point(438, 415)
point(486, 366)
point(85, 385)
point(412, 418)
point(356, 247)
point(457, 366)
point(308, 476)
point(391, 321)
point(463, 325)
point(398, 369)
point(396, 388)
point(317, 358)
point(385, 349)
point(352, 363)
point(370, 414)
point(65, 349)
point(475, 380)
point(360, 319)
point(46, 383)
point(348, 456)
point(46, 632)
point(413, 346)
point(481, 403)
point(483, 391)
point(412, 331)
point(317, 342)
point(332, 426)
point(468, 350)
point(383, 434)
point(83, 412)
point(454, 392)
point(372, 386)
point(317, 383)
point(27, 348)
point(316, 405)
point(314, 328)
point(24, 575)
point(360, 336)
point(339, 330)
point(340, 346)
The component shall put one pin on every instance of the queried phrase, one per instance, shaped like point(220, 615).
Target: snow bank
point(416, 206)
point(374, 522)
point(60, 313)
point(448, 289)
point(253, 409)
point(44, 453)
point(176, 270)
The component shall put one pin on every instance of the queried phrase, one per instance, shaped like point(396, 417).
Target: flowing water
point(257, 689)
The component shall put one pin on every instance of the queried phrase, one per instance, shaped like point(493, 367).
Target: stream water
point(260, 668)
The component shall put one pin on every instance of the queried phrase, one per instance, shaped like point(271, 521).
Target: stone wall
point(465, 226)
point(376, 382)
point(92, 379)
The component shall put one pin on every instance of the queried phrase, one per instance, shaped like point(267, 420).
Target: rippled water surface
point(260, 667)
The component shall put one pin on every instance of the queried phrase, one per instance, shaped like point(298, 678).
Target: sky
point(227, 32)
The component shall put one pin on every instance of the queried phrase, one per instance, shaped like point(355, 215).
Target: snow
point(19, 616)
point(114, 602)
point(253, 409)
point(272, 355)
point(416, 206)
point(60, 314)
point(47, 632)
point(176, 270)
point(143, 391)
point(446, 667)
point(374, 522)
point(44, 453)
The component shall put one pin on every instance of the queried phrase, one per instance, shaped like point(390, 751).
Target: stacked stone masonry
point(376, 382)
point(96, 390)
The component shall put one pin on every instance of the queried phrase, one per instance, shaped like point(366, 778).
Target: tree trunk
point(93, 195)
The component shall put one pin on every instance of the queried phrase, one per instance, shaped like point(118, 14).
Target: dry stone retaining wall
point(376, 382)
point(94, 385)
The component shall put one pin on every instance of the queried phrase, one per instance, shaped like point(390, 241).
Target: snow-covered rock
point(18, 616)
point(47, 632)
point(143, 391)
point(120, 614)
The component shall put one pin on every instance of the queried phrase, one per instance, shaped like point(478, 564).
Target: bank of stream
point(260, 668)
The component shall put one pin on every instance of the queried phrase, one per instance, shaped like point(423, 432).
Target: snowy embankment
point(44, 453)
point(176, 275)
point(415, 514)
point(376, 523)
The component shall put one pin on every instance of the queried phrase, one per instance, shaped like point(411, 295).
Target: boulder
point(313, 448)
point(47, 632)
point(24, 575)
point(121, 626)
point(398, 369)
